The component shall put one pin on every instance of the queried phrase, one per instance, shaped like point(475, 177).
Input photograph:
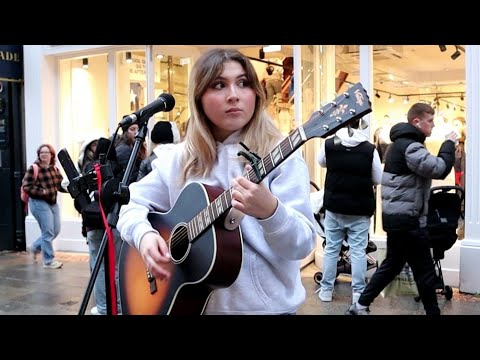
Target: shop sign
point(11, 62)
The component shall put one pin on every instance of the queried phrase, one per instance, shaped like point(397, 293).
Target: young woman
point(227, 107)
point(43, 203)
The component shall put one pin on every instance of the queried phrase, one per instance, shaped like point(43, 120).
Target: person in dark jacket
point(353, 169)
point(124, 147)
point(94, 227)
point(407, 177)
point(164, 132)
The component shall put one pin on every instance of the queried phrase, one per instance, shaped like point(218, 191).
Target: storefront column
point(470, 246)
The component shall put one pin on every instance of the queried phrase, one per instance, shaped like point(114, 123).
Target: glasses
point(44, 152)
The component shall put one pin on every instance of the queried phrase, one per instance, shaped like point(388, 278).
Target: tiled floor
point(26, 288)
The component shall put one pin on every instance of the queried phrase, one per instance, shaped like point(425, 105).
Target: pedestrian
point(353, 169)
point(43, 204)
point(407, 177)
point(164, 132)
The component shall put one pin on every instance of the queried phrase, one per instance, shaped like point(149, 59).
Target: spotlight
point(128, 57)
point(456, 54)
point(377, 95)
point(261, 54)
point(461, 97)
point(85, 63)
point(442, 48)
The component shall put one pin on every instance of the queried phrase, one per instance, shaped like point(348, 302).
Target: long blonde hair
point(260, 134)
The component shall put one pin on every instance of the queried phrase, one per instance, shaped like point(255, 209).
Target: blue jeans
point(48, 218)
point(355, 229)
point(94, 239)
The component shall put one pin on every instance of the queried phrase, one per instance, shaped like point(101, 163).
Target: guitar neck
point(265, 166)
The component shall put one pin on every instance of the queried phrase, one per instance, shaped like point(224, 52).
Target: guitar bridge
point(153, 283)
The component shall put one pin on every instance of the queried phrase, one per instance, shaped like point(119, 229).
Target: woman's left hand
point(253, 199)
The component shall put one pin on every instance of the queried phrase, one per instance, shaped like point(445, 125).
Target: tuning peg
point(336, 140)
point(363, 124)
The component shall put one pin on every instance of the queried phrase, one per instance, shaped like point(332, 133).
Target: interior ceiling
point(398, 69)
point(409, 69)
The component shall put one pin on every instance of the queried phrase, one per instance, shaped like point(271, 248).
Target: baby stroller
point(445, 208)
point(344, 265)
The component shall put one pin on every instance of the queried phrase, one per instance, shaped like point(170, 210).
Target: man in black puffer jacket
point(407, 177)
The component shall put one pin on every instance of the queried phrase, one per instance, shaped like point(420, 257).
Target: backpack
point(23, 195)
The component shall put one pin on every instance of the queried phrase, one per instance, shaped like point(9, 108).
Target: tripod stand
point(120, 197)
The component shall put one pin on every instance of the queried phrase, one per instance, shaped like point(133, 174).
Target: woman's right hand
point(155, 254)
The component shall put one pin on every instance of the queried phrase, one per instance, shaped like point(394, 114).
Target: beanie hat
point(125, 127)
point(162, 133)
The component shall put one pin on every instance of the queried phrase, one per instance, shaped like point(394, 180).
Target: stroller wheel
point(448, 292)
point(318, 277)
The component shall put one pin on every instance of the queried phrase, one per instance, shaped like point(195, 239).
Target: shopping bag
point(402, 285)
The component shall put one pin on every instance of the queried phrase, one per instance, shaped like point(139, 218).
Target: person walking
point(353, 169)
point(43, 203)
point(407, 177)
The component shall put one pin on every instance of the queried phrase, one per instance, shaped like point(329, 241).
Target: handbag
point(402, 285)
point(23, 194)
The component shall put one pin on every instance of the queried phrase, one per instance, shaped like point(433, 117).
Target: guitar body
point(210, 261)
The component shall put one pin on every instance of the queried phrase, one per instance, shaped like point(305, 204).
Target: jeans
point(94, 239)
point(48, 218)
point(355, 229)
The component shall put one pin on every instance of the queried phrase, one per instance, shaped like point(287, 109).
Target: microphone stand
point(120, 197)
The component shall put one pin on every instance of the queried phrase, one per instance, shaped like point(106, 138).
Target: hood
point(88, 140)
point(357, 138)
point(406, 130)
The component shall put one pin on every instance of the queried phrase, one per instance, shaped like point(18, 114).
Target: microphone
point(165, 102)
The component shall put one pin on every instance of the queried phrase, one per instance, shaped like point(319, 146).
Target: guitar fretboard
point(222, 203)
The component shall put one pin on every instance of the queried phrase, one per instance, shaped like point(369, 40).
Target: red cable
point(110, 245)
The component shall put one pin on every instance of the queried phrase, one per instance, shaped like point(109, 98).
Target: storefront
point(87, 89)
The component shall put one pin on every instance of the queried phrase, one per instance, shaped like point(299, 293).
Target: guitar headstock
point(347, 107)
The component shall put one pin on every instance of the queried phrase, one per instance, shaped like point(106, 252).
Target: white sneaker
point(53, 265)
point(94, 311)
point(325, 295)
point(355, 297)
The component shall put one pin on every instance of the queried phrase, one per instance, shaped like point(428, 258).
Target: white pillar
point(366, 76)
point(470, 246)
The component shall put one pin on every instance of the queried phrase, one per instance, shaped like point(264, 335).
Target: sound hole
point(179, 244)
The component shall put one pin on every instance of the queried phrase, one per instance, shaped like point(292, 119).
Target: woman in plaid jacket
point(43, 203)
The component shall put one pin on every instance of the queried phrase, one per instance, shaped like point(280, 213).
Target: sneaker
point(53, 265)
point(354, 310)
point(355, 297)
point(94, 311)
point(325, 295)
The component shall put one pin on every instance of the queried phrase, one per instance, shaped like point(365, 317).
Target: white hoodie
point(269, 281)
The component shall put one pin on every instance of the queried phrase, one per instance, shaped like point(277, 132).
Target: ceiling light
point(377, 95)
point(128, 57)
point(85, 63)
point(442, 48)
point(160, 56)
point(390, 99)
point(406, 100)
point(272, 48)
point(456, 54)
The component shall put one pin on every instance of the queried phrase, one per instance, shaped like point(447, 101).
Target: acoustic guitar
point(202, 231)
